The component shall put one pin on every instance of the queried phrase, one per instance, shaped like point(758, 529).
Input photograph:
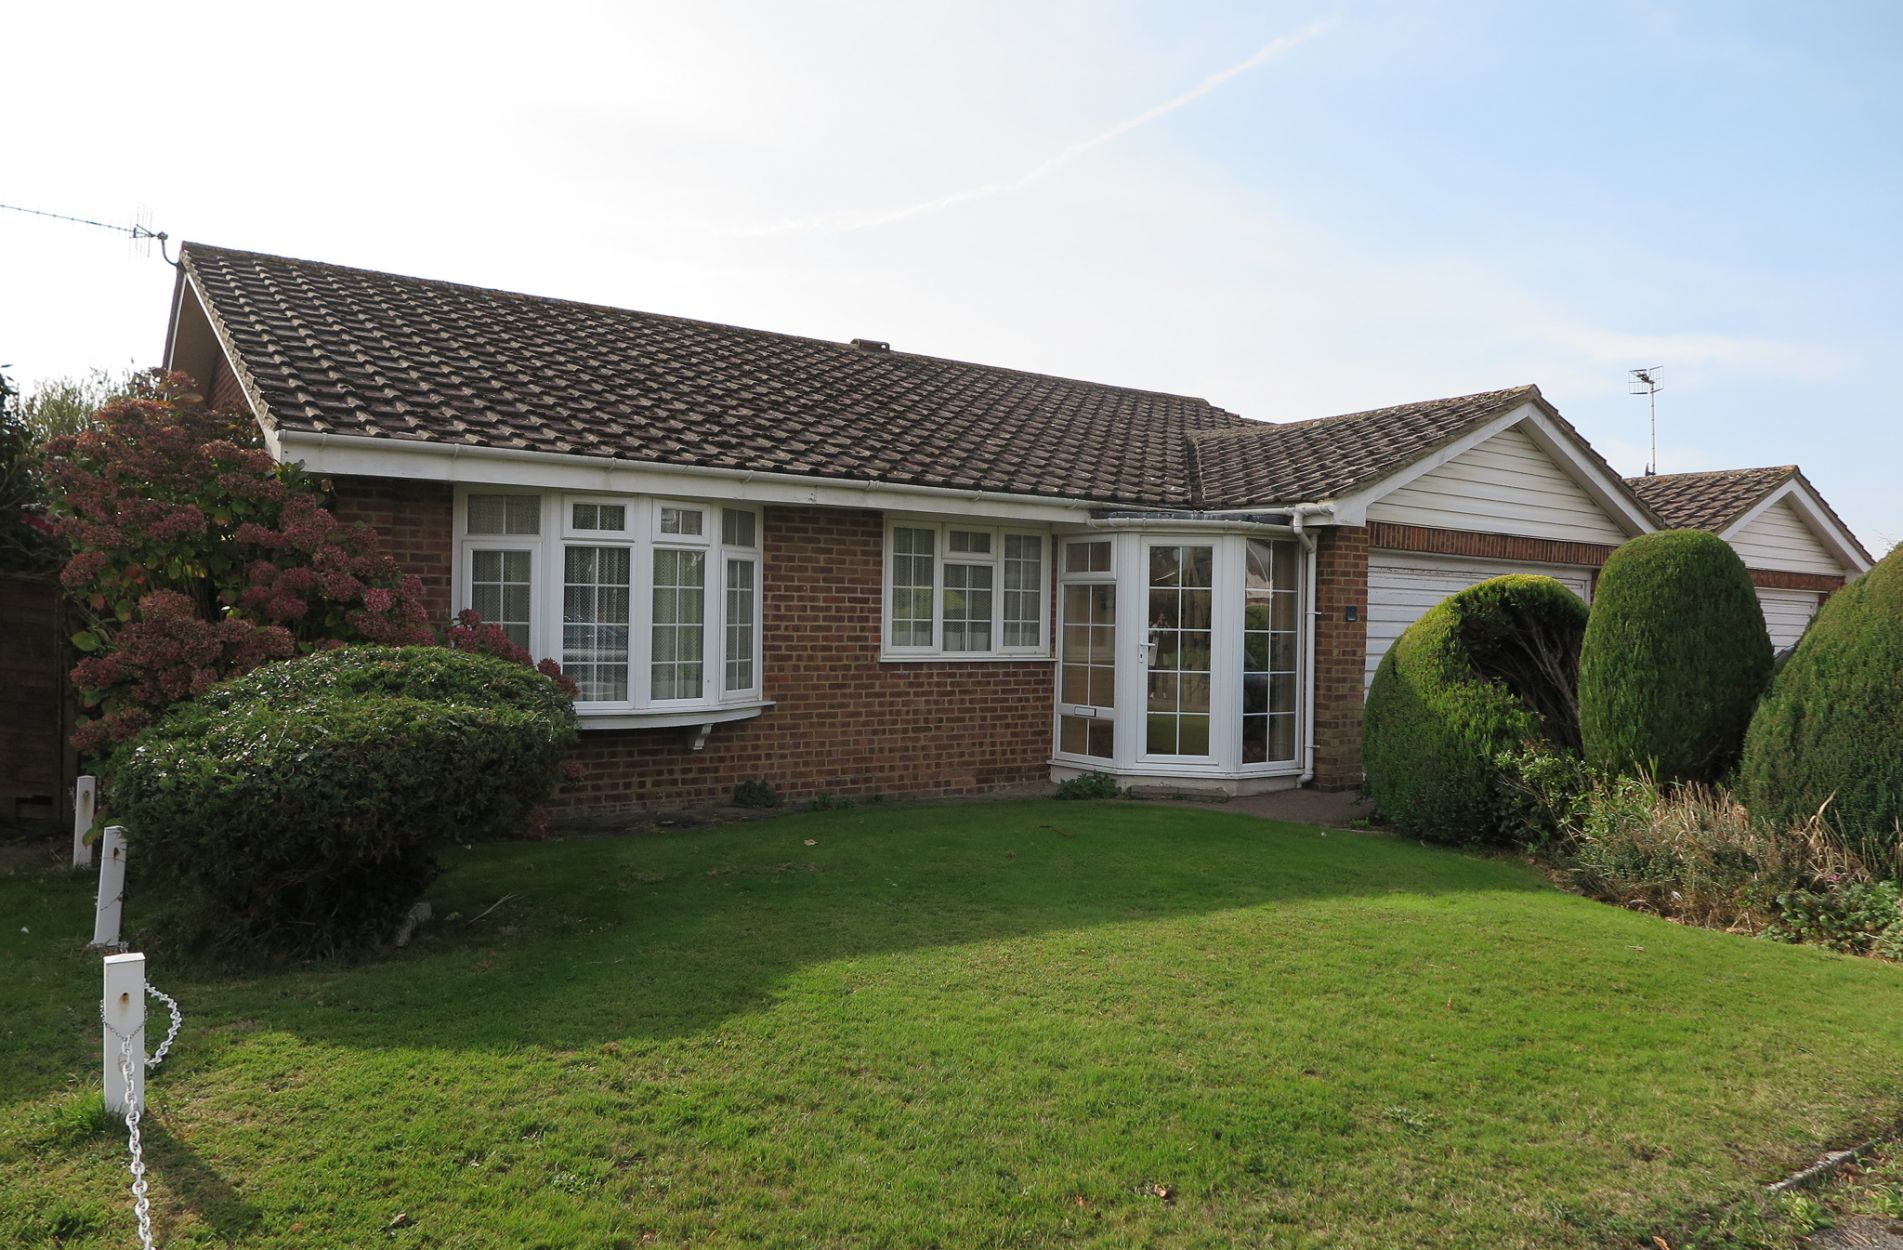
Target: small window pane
point(499, 591)
point(1090, 557)
point(680, 520)
point(913, 557)
point(968, 607)
point(595, 632)
point(740, 625)
point(738, 527)
point(680, 618)
point(612, 517)
point(505, 514)
point(968, 542)
point(1023, 590)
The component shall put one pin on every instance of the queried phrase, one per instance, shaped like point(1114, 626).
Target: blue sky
point(1292, 209)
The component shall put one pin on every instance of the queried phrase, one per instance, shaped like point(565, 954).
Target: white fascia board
point(345, 454)
point(1811, 511)
point(1609, 493)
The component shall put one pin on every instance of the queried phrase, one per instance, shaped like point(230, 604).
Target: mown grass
point(1002, 1025)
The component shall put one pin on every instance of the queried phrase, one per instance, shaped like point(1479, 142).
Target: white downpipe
point(1300, 513)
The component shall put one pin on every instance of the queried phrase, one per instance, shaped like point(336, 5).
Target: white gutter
point(1300, 513)
point(1210, 526)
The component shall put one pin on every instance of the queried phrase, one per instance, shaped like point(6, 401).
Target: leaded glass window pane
point(505, 514)
point(968, 606)
point(740, 625)
point(680, 618)
point(595, 631)
point(738, 528)
point(914, 553)
point(500, 591)
point(1023, 590)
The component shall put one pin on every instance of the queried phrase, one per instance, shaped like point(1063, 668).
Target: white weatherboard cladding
point(1777, 539)
point(1506, 485)
point(1403, 586)
point(1786, 613)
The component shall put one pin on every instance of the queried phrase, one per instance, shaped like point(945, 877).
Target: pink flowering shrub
point(196, 557)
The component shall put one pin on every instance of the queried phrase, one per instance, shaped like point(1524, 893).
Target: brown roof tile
point(1708, 501)
point(1713, 500)
point(352, 351)
point(1331, 456)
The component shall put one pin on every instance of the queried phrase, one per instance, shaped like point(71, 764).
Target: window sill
point(976, 657)
point(672, 717)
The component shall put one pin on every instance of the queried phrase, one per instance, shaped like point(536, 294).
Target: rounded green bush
point(1831, 727)
point(1488, 670)
point(1674, 659)
point(298, 809)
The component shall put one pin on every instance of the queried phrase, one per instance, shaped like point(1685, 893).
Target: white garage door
point(1402, 587)
point(1786, 613)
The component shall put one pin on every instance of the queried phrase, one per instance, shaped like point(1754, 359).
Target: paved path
point(1335, 809)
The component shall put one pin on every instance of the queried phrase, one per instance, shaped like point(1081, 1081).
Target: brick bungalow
point(840, 567)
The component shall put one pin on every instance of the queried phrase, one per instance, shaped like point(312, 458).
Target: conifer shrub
point(1675, 657)
point(1829, 733)
point(1488, 671)
point(299, 809)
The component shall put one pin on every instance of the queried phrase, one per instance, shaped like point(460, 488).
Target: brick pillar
point(1341, 653)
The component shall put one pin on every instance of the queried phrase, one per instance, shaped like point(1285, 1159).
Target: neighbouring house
point(1797, 548)
point(839, 567)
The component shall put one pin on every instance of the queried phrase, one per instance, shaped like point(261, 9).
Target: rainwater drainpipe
point(1301, 512)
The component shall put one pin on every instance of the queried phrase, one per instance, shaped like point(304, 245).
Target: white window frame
point(942, 554)
point(642, 538)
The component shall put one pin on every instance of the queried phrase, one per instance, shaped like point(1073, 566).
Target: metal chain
point(171, 1034)
point(135, 1109)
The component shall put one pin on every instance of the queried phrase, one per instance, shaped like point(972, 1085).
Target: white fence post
point(112, 886)
point(122, 1015)
point(85, 801)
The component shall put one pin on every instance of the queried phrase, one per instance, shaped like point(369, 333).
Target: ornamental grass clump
point(299, 809)
point(1674, 659)
point(1829, 734)
point(1488, 671)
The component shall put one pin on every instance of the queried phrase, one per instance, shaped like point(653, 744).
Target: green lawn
point(969, 1026)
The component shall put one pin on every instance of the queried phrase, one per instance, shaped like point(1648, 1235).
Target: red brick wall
point(221, 388)
point(1341, 654)
point(1778, 579)
point(843, 722)
point(1388, 535)
point(417, 521)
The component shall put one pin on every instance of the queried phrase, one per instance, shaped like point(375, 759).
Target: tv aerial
point(1645, 382)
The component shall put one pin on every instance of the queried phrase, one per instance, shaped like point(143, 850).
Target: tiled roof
point(332, 349)
point(1715, 499)
point(1333, 456)
point(1708, 501)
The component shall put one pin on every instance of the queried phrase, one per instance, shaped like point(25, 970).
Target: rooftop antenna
point(140, 232)
point(1644, 382)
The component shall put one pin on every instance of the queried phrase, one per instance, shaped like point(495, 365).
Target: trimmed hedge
point(298, 809)
point(1674, 659)
point(1831, 727)
point(1487, 671)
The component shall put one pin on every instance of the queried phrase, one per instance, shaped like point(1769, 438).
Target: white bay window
point(651, 606)
point(961, 591)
